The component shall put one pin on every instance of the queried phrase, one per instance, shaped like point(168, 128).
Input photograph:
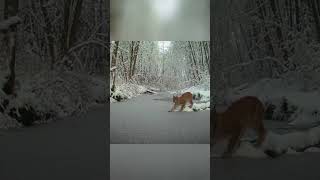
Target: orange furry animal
point(245, 113)
point(182, 100)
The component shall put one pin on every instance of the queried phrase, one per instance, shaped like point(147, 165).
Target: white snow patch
point(313, 150)
point(278, 143)
point(248, 150)
point(59, 94)
point(294, 140)
point(112, 100)
point(201, 106)
point(292, 152)
point(127, 91)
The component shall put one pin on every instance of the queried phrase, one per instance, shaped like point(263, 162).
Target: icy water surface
point(145, 119)
point(159, 161)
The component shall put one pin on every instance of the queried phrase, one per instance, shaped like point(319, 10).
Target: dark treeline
point(44, 40)
point(71, 34)
point(254, 39)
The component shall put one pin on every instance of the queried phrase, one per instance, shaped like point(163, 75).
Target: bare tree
point(114, 65)
point(11, 9)
point(72, 12)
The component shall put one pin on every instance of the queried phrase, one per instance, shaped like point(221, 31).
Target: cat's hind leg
point(182, 107)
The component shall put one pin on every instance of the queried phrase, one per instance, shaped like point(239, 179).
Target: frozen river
point(145, 119)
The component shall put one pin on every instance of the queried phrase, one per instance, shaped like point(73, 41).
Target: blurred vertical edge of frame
point(269, 49)
point(47, 40)
point(54, 64)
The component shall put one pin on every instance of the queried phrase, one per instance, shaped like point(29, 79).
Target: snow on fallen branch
point(6, 24)
point(113, 68)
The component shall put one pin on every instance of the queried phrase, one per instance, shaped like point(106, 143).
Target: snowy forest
point(158, 65)
point(53, 57)
point(144, 77)
point(271, 49)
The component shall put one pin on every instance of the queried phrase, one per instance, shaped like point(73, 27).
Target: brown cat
point(182, 100)
point(245, 113)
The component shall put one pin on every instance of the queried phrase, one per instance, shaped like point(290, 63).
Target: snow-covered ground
point(286, 102)
point(295, 143)
point(126, 91)
point(50, 95)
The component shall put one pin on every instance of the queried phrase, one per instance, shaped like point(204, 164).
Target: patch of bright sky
point(164, 46)
point(165, 9)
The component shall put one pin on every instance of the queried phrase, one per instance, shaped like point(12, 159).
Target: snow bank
point(7, 122)
point(64, 92)
point(280, 143)
point(284, 101)
point(201, 106)
point(248, 150)
point(313, 149)
point(127, 91)
point(291, 151)
point(295, 141)
point(291, 143)
point(50, 95)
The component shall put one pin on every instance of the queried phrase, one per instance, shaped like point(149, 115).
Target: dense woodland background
point(165, 65)
point(270, 49)
point(51, 51)
point(256, 39)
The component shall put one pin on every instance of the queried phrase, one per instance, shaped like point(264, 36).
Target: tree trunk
point(201, 47)
point(11, 9)
point(278, 19)
point(267, 38)
point(49, 33)
point(193, 58)
point(131, 58)
point(136, 50)
point(72, 12)
point(125, 71)
point(297, 8)
point(316, 17)
point(246, 42)
point(114, 64)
